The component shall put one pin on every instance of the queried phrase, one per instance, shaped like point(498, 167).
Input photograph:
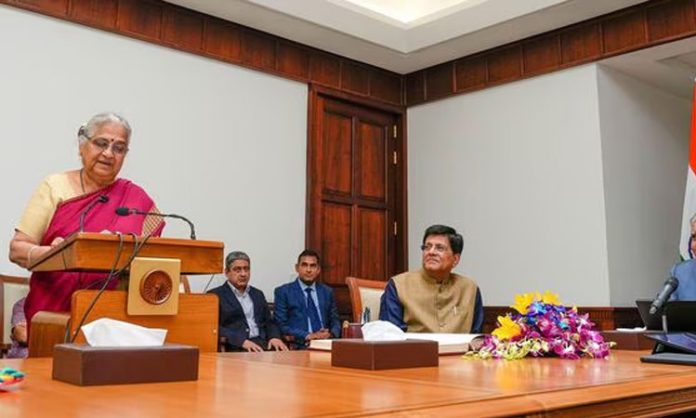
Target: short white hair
point(87, 130)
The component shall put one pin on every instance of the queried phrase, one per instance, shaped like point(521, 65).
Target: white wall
point(572, 181)
point(645, 145)
point(518, 170)
point(220, 144)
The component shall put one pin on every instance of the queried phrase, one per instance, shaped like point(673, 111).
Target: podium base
point(84, 365)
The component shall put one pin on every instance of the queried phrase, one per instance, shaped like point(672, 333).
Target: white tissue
point(107, 332)
point(382, 331)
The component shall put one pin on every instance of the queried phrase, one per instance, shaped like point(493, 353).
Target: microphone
point(101, 199)
point(671, 285)
point(124, 211)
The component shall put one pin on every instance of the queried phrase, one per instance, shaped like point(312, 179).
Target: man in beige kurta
point(434, 299)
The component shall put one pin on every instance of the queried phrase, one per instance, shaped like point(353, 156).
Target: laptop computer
point(672, 348)
point(681, 315)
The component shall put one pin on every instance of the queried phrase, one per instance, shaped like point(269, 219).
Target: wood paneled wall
point(168, 25)
point(605, 318)
point(641, 26)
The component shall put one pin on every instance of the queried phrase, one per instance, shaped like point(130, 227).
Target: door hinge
point(395, 158)
point(394, 131)
point(396, 228)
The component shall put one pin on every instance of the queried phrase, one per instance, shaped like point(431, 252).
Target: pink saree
point(52, 291)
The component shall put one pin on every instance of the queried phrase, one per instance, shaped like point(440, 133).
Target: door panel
point(336, 246)
point(371, 161)
point(372, 252)
point(338, 165)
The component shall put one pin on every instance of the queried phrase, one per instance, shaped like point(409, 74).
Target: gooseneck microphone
point(101, 199)
point(671, 285)
point(123, 211)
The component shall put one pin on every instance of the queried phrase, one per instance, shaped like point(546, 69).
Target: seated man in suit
point(245, 320)
point(685, 271)
point(304, 308)
point(434, 299)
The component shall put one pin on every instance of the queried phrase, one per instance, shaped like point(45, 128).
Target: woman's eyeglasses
point(103, 144)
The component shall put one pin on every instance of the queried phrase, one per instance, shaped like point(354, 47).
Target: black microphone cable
point(209, 281)
point(137, 247)
point(101, 290)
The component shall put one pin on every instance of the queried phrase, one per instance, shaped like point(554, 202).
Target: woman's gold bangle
point(29, 254)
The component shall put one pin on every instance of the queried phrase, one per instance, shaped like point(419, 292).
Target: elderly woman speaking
point(55, 208)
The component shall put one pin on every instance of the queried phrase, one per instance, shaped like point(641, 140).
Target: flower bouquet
point(542, 326)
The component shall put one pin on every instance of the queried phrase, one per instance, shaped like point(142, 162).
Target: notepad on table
point(447, 343)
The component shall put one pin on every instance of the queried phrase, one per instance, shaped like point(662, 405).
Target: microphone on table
point(671, 285)
point(101, 199)
point(124, 211)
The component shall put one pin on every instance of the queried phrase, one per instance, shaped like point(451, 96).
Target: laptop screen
point(651, 322)
point(681, 315)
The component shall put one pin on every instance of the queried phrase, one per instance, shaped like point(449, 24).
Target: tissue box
point(84, 365)
point(382, 355)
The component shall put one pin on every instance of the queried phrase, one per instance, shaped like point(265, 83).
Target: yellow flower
point(523, 301)
point(551, 298)
point(508, 329)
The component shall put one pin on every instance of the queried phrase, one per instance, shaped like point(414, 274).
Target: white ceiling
point(407, 11)
point(405, 35)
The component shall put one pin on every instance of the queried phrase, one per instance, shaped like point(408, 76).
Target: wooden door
point(355, 200)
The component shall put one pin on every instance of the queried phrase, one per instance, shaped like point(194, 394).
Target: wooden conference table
point(303, 384)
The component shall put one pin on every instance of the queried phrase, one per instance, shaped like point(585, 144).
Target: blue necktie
point(312, 311)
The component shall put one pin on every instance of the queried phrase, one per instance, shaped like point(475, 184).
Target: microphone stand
point(190, 224)
point(126, 211)
point(101, 199)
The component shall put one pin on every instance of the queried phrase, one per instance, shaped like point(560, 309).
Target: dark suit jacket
point(291, 310)
point(233, 324)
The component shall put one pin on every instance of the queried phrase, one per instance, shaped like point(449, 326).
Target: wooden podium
point(196, 322)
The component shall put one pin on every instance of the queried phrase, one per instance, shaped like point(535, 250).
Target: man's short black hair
point(309, 253)
point(456, 240)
